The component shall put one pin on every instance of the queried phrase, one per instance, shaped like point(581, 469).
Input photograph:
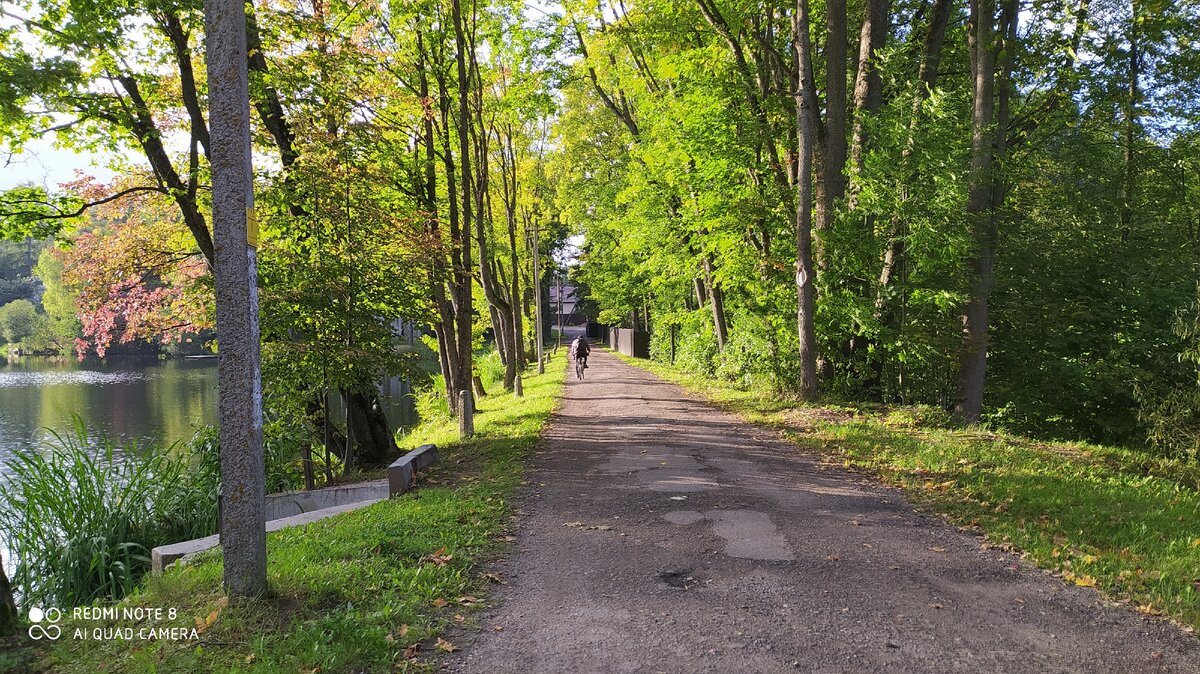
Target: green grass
point(1120, 520)
point(360, 592)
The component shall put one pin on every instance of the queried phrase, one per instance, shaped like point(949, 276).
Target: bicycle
point(580, 366)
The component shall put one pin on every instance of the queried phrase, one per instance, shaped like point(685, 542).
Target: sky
point(45, 165)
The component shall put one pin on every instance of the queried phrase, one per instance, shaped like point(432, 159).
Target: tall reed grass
point(83, 514)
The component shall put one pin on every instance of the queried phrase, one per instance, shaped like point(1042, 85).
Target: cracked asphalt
point(659, 534)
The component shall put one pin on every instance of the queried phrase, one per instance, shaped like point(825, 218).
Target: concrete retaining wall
point(295, 508)
point(291, 503)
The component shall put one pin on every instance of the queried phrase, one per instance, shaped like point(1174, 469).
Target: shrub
point(1173, 423)
point(430, 402)
point(489, 368)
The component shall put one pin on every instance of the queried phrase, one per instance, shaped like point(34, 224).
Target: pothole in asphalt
point(678, 579)
point(748, 534)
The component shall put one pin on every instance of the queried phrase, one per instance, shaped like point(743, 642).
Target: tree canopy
point(989, 206)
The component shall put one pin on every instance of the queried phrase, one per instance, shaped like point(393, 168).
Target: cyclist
point(580, 350)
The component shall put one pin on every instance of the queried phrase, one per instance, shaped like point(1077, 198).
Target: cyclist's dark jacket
point(580, 348)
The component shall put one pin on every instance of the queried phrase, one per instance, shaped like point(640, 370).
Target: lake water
point(125, 398)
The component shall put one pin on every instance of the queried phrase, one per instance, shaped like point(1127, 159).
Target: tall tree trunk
point(514, 291)
point(927, 75)
point(1131, 123)
point(868, 97)
point(807, 118)
point(468, 215)
point(8, 607)
point(868, 87)
point(444, 329)
point(894, 268)
point(981, 215)
point(458, 378)
point(716, 303)
point(831, 139)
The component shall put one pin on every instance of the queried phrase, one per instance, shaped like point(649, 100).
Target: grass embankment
point(367, 591)
point(1122, 521)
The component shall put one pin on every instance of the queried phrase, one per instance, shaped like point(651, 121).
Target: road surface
point(662, 535)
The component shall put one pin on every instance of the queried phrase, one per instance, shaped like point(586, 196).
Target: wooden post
point(466, 417)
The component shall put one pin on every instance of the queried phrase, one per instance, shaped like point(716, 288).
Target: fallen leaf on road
point(573, 524)
point(834, 558)
point(892, 644)
point(440, 603)
point(1019, 600)
point(460, 618)
point(495, 578)
point(411, 651)
point(498, 628)
point(936, 605)
point(855, 523)
point(467, 599)
point(1149, 609)
point(446, 646)
point(938, 549)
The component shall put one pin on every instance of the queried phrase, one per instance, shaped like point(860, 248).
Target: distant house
point(570, 300)
point(405, 332)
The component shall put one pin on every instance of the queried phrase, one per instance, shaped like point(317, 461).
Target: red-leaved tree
point(136, 272)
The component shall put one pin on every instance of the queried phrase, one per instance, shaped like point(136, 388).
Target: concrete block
point(402, 470)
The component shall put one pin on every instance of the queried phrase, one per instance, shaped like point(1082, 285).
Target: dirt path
point(661, 534)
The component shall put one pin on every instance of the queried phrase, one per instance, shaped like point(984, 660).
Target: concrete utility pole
point(235, 234)
point(537, 299)
point(560, 298)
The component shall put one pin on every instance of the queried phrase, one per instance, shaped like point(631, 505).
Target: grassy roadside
point(367, 591)
point(1123, 522)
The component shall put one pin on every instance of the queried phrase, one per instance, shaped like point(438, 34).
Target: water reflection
point(139, 399)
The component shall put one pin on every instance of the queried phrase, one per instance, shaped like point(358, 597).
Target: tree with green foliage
point(984, 245)
point(18, 319)
point(58, 302)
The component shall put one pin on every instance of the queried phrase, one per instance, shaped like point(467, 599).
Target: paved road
point(662, 535)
